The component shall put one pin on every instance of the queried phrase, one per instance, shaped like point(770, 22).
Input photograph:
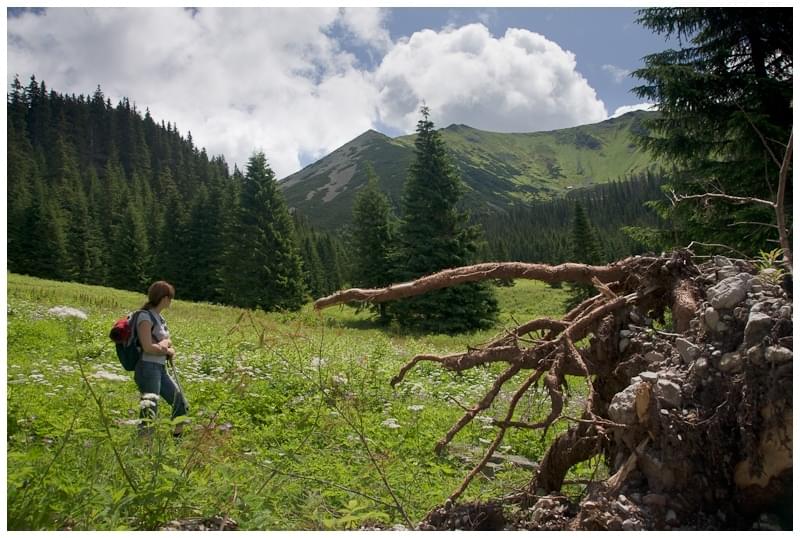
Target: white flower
point(318, 362)
point(339, 379)
point(109, 376)
point(128, 422)
point(65, 312)
point(484, 441)
point(416, 408)
point(390, 423)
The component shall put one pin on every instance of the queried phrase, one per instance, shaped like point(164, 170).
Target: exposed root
point(632, 424)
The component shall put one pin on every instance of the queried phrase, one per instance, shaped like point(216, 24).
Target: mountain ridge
point(499, 169)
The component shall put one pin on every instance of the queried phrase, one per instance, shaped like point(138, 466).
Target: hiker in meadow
point(151, 372)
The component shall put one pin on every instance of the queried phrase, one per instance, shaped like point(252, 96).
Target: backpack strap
point(135, 320)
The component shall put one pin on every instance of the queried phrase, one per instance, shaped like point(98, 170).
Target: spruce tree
point(725, 102)
point(265, 268)
point(371, 237)
point(434, 235)
point(585, 249)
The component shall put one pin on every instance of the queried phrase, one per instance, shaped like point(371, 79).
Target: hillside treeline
point(542, 232)
point(103, 194)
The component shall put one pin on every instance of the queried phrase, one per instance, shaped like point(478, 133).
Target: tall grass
point(293, 422)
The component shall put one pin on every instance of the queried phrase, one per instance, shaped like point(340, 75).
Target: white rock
point(711, 318)
point(622, 409)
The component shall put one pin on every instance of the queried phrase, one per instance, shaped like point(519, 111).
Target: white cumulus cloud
point(238, 79)
point(519, 82)
point(630, 108)
point(288, 82)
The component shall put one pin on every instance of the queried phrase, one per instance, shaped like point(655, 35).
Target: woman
point(151, 372)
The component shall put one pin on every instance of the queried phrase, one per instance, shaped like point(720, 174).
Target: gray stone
point(755, 355)
point(653, 357)
point(722, 327)
point(687, 350)
point(756, 288)
point(758, 326)
point(716, 354)
point(630, 525)
point(636, 379)
point(649, 377)
point(727, 272)
point(671, 517)
point(625, 333)
point(728, 293)
point(622, 409)
point(778, 354)
point(711, 318)
point(731, 362)
point(701, 366)
point(669, 393)
point(785, 312)
point(623, 344)
point(722, 261)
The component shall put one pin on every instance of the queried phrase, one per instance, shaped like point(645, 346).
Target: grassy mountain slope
point(499, 169)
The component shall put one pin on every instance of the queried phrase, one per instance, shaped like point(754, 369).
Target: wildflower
point(128, 422)
point(416, 408)
point(108, 376)
point(484, 441)
point(318, 362)
point(390, 423)
point(339, 379)
point(65, 312)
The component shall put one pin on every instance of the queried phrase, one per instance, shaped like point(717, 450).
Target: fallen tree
point(669, 434)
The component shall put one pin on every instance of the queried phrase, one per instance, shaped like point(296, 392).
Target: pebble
point(623, 344)
point(654, 357)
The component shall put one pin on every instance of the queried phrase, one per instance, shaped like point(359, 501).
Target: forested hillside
point(101, 194)
point(499, 170)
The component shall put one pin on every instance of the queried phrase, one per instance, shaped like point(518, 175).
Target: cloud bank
point(289, 81)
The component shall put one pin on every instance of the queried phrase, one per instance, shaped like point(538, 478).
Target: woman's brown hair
point(156, 292)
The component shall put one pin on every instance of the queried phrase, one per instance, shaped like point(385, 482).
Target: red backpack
point(126, 341)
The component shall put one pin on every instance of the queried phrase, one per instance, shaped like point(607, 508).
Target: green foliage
point(725, 110)
point(499, 170)
point(277, 402)
point(769, 265)
point(585, 249)
point(433, 234)
point(101, 194)
point(263, 253)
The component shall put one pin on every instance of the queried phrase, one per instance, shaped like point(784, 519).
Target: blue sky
point(297, 83)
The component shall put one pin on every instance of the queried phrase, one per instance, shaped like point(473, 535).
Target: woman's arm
point(146, 339)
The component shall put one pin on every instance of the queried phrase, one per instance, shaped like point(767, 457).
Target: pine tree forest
point(103, 194)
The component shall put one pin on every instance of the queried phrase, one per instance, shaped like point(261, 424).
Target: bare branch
point(678, 198)
point(572, 272)
point(754, 224)
point(717, 245)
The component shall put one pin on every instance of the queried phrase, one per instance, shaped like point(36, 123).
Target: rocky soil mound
point(700, 428)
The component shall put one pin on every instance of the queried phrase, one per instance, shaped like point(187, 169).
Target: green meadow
point(293, 422)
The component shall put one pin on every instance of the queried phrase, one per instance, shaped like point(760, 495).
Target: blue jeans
point(153, 378)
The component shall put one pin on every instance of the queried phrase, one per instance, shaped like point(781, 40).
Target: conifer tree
point(371, 237)
point(585, 249)
point(433, 235)
point(265, 268)
point(725, 103)
point(130, 251)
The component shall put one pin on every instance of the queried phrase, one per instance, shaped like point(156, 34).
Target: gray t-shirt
point(159, 333)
